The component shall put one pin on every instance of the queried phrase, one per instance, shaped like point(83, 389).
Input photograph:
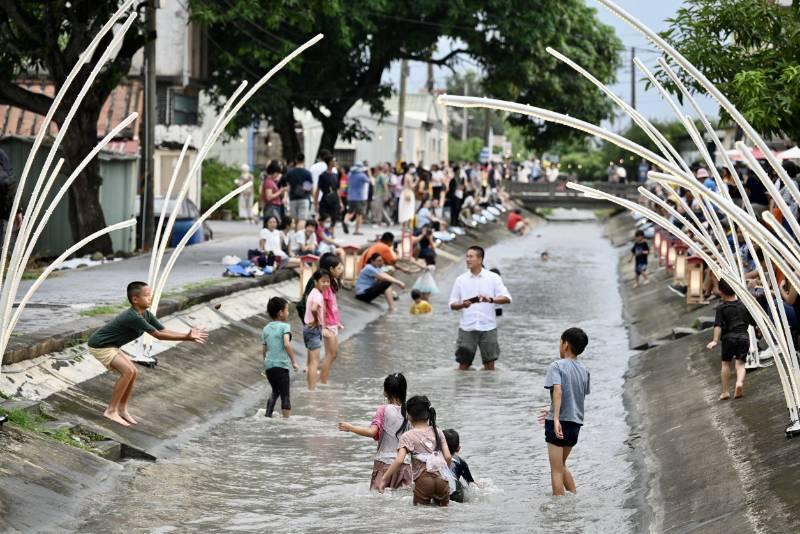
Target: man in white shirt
point(475, 293)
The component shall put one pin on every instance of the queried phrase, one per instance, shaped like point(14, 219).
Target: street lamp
point(350, 266)
point(663, 250)
point(308, 264)
point(681, 252)
point(694, 280)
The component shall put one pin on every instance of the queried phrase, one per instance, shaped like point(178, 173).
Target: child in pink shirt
point(333, 321)
point(314, 324)
point(388, 425)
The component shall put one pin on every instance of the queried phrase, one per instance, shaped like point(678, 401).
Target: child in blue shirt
point(458, 466)
point(278, 354)
point(568, 382)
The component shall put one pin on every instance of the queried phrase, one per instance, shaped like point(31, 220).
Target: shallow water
point(268, 475)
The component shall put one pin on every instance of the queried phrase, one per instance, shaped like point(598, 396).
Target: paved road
point(66, 293)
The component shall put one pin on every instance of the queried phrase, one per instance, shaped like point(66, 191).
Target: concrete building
point(425, 137)
point(181, 73)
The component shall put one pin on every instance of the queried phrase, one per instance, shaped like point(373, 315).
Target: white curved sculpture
point(33, 224)
point(711, 246)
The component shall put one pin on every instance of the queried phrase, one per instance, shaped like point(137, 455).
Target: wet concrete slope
point(710, 466)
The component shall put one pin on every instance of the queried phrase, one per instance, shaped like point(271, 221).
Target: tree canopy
point(750, 49)
point(505, 38)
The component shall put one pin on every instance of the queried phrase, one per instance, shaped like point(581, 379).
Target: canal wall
point(706, 466)
point(44, 483)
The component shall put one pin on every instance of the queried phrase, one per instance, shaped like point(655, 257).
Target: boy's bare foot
point(129, 418)
point(739, 392)
point(635, 285)
point(725, 396)
point(116, 418)
point(646, 281)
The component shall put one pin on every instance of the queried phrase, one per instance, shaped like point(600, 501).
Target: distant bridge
point(557, 195)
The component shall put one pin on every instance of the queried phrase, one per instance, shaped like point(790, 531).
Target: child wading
point(458, 466)
point(430, 457)
point(568, 382)
point(278, 354)
point(105, 345)
point(388, 424)
point(640, 251)
point(730, 324)
point(314, 327)
point(420, 305)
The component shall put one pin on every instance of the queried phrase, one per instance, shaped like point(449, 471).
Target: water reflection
point(259, 475)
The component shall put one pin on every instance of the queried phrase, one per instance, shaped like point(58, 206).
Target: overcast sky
point(652, 13)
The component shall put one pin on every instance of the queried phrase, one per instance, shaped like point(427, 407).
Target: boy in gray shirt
point(568, 382)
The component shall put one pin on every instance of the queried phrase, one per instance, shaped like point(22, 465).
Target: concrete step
point(109, 449)
point(51, 427)
point(28, 406)
point(706, 321)
point(683, 331)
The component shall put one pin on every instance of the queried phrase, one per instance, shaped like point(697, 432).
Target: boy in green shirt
point(105, 343)
point(278, 353)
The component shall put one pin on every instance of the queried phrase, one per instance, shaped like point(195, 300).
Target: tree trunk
point(330, 133)
point(85, 213)
point(284, 125)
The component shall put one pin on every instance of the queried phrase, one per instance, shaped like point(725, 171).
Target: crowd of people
point(734, 330)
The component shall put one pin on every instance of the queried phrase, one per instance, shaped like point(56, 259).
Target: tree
point(749, 49)
point(456, 84)
point(507, 38)
point(49, 37)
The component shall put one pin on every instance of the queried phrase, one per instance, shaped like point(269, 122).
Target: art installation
point(34, 222)
point(707, 241)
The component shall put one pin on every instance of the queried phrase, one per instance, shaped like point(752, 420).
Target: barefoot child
point(639, 252)
point(388, 424)
point(278, 354)
point(568, 382)
point(105, 345)
point(730, 324)
point(430, 457)
point(458, 466)
point(314, 327)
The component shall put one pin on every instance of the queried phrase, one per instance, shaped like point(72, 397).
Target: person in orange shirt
point(384, 248)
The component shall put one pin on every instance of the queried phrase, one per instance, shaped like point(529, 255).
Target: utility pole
point(633, 78)
point(465, 122)
point(429, 82)
point(401, 111)
point(150, 116)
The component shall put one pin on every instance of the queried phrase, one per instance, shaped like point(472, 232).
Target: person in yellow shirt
point(420, 307)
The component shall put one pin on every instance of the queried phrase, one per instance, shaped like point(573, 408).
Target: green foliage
point(23, 419)
point(587, 166)
point(750, 49)
point(107, 309)
point(456, 83)
point(218, 181)
point(468, 150)
point(507, 38)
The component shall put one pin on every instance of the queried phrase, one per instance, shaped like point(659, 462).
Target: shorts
point(298, 209)
point(469, 341)
point(568, 428)
point(431, 489)
point(736, 347)
point(640, 268)
point(401, 478)
point(279, 381)
point(375, 291)
point(312, 337)
point(105, 355)
point(519, 227)
point(357, 207)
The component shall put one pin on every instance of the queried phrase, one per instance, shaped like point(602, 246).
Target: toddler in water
point(420, 306)
point(458, 466)
point(426, 284)
point(430, 457)
point(388, 424)
point(277, 353)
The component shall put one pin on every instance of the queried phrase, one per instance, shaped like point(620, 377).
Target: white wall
point(171, 28)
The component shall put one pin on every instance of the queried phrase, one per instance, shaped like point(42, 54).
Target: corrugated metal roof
point(123, 100)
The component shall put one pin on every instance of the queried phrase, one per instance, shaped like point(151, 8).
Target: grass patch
point(33, 423)
point(106, 309)
point(544, 212)
point(604, 213)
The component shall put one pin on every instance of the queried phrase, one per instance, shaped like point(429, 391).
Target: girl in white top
point(270, 238)
point(388, 424)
